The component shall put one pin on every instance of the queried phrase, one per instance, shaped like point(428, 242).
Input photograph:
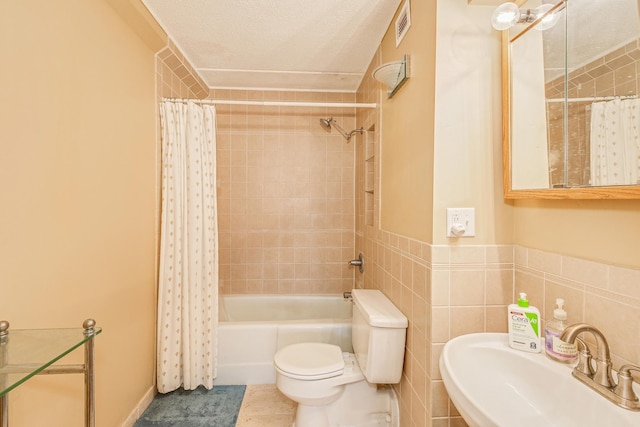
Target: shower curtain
point(188, 277)
point(615, 142)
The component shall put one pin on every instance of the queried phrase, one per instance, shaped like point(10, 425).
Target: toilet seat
point(310, 361)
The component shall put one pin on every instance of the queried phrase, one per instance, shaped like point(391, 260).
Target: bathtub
point(252, 328)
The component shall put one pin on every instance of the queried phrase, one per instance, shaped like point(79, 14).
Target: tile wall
point(285, 195)
point(602, 295)
point(175, 77)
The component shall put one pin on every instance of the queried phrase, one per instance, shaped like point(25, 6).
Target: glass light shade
point(393, 74)
point(549, 20)
point(505, 16)
point(389, 74)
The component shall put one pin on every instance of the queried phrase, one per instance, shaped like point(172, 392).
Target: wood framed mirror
point(571, 110)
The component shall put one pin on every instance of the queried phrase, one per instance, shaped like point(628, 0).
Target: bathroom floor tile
point(264, 406)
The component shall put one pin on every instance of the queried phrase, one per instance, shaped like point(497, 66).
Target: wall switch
point(461, 222)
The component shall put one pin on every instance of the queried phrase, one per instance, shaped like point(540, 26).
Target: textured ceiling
point(318, 45)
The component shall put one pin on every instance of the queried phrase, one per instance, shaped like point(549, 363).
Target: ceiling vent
point(403, 22)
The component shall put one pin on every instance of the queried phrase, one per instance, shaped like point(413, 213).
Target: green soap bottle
point(524, 326)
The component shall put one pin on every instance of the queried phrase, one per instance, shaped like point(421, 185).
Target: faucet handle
point(624, 389)
point(584, 359)
point(359, 262)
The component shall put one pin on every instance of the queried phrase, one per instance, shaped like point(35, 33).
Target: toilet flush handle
point(358, 263)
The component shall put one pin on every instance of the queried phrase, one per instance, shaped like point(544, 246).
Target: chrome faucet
point(600, 379)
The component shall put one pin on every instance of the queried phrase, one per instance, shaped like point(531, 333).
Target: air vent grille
point(403, 22)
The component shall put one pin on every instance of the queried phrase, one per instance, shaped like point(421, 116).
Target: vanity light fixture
point(509, 14)
point(393, 75)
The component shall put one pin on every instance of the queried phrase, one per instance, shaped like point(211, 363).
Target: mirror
point(571, 110)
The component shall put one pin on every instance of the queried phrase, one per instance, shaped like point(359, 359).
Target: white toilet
point(333, 388)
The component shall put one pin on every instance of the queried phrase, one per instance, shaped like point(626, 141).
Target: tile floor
point(264, 406)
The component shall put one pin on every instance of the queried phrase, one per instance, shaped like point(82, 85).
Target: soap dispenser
point(554, 348)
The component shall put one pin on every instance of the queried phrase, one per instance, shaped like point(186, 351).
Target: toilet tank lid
point(378, 310)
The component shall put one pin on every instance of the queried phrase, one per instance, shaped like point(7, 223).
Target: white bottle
point(524, 326)
point(555, 348)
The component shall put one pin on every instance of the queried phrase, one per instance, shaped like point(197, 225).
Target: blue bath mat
point(218, 407)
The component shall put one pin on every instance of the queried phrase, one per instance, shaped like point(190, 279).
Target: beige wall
point(77, 178)
point(468, 154)
point(285, 194)
point(407, 129)
point(598, 230)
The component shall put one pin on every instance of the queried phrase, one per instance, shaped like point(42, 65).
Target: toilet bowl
point(315, 373)
point(334, 388)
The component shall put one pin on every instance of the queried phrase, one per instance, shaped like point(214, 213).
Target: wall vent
point(403, 22)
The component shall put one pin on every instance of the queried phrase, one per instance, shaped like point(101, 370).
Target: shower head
point(327, 124)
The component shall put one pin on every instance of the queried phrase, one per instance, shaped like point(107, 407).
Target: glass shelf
point(27, 352)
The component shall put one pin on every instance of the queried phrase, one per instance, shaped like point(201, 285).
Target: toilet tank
point(378, 336)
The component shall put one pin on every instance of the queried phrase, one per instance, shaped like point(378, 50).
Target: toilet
point(333, 388)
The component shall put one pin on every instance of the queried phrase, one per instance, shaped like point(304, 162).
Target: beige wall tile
point(618, 322)
point(499, 287)
point(466, 320)
point(583, 271)
point(624, 281)
point(467, 288)
point(545, 262)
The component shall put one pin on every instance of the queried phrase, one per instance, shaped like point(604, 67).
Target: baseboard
point(140, 407)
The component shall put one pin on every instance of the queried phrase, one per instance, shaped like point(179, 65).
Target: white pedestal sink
point(493, 385)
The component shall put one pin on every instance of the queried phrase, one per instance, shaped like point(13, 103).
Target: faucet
point(600, 379)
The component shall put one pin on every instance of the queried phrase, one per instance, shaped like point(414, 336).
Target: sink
point(494, 385)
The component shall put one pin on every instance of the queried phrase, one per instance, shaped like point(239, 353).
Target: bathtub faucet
point(347, 295)
point(601, 380)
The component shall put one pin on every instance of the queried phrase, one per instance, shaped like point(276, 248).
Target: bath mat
point(264, 406)
point(218, 407)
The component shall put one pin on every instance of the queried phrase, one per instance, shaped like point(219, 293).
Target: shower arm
point(346, 135)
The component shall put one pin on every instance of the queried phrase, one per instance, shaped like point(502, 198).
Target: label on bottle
point(557, 348)
point(524, 330)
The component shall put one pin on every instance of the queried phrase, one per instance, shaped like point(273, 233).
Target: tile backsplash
point(602, 295)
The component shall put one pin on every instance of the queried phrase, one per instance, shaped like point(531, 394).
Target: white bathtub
point(253, 327)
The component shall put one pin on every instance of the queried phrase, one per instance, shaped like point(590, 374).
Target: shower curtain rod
point(591, 98)
point(277, 103)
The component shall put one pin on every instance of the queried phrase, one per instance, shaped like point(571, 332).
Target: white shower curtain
point(188, 284)
point(615, 142)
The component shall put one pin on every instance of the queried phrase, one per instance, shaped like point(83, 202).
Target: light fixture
point(509, 14)
point(393, 75)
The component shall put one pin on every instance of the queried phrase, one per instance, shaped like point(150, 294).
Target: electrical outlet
point(461, 222)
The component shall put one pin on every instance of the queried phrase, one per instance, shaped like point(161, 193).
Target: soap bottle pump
point(554, 348)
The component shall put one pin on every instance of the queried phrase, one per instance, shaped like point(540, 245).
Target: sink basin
point(492, 384)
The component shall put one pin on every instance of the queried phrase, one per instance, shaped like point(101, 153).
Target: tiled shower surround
point(285, 195)
point(289, 196)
